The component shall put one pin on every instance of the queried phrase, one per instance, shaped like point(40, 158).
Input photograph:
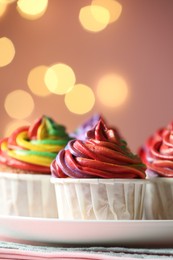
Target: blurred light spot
point(80, 99)
point(112, 90)
point(3, 8)
point(32, 9)
point(94, 18)
point(7, 51)
point(36, 81)
point(10, 127)
point(7, 1)
point(114, 8)
point(19, 104)
point(60, 78)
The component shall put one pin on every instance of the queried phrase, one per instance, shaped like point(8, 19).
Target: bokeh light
point(7, 51)
point(80, 99)
point(13, 125)
point(112, 90)
point(94, 18)
point(113, 6)
point(60, 78)
point(32, 9)
point(3, 8)
point(36, 81)
point(19, 104)
point(7, 1)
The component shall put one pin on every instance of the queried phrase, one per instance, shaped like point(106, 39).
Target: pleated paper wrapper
point(158, 203)
point(99, 199)
point(30, 195)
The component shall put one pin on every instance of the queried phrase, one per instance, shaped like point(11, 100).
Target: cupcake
point(98, 178)
point(25, 158)
point(157, 154)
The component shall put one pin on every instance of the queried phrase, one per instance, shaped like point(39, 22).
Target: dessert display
point(25, 158)
point(157, 154)
point(99, 177)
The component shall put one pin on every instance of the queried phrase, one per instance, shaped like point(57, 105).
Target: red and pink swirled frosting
point(157, 152)
point(102, 155)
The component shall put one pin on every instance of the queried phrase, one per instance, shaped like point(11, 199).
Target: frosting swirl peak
point(157, 152)
point(102, 155)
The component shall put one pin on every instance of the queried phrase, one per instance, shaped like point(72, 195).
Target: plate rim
point(112, 232)
point(27, 218)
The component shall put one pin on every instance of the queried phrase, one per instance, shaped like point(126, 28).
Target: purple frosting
point(80, 132)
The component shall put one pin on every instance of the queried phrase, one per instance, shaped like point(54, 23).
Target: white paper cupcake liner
point(158, 203)
point(99, 199)
point(29, 195)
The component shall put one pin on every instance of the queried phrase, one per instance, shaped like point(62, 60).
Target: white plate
point(117, 233)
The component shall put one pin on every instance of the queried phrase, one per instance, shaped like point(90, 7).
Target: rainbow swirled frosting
point(103, 154)
point(32, 148)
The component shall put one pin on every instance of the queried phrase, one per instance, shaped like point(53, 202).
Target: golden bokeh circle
point(80, 99)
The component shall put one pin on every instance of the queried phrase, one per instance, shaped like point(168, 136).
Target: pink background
point(139, 46)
